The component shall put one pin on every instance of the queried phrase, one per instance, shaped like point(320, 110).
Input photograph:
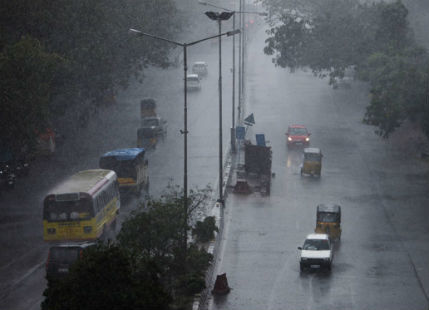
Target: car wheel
point(328, 267)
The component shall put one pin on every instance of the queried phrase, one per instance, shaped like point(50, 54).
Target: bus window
point(68, 210)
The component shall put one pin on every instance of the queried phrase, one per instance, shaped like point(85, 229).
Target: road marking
point(29, 272)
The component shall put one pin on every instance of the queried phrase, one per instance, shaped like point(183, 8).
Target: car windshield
point(150, 122)
point(328, 217)
point(298, 131)
point(316, 245)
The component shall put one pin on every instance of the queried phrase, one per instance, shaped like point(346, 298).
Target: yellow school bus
point(82, 208)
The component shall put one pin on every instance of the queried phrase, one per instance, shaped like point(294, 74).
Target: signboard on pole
point(240, 132)
point(250, 120)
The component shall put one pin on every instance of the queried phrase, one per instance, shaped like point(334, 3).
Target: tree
point(373, 39)
point(156, 234)
point(28, 73)
point(107, 277)
point(92, 37)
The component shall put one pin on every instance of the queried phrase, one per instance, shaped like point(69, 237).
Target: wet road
point(381, 260)
point(23, 252)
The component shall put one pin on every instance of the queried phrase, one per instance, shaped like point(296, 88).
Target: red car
point(297, 135)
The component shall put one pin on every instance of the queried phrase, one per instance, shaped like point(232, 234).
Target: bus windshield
point(59, 211)
point(123, 168)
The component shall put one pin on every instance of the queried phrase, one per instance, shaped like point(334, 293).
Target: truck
point(256, 173)
point(147, 107)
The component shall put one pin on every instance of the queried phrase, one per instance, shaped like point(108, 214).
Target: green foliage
point(204, 230)
point(28, 73)
point(373, 39)
point(159, 233)
point(106, 277)
point(92, 37)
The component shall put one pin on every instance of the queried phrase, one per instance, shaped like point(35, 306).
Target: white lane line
point(29, 272)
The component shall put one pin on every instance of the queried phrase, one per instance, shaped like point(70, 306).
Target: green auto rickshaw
point(312, 164)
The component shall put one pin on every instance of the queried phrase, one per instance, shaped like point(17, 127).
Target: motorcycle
point(7, 177)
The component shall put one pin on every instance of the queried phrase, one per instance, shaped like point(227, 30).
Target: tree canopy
point(91, 37)
point(375, 40)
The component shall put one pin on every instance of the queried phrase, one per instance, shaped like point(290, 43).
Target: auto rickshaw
point(146, 138)
point(328, 220)
point(312, 163)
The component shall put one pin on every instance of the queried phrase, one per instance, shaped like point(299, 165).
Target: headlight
point(307, 139)
point(289, 138)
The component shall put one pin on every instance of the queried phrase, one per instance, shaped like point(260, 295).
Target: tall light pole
point(240, 11)
point(219, 17)
point(185, 108)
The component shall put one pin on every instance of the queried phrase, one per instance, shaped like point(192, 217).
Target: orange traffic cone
point(221, 285)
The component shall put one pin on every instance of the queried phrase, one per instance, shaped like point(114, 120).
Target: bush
point(204, 231)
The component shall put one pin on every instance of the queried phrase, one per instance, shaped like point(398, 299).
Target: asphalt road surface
point(382, 259)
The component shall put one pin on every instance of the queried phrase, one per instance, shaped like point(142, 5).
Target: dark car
point(61, 257)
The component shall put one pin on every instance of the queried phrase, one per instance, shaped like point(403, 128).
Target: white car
point(200, 68)
point(316, 252)
point(193, 82)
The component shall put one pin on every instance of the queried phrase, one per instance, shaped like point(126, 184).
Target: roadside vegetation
point(59, 55)
point(151, 265)
point(372, 40)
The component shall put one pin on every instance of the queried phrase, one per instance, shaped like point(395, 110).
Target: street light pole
point(219, 17)
point(241, 64)
point(220, 118)
point(185, 109)
point(185, 133)
point(233, 89)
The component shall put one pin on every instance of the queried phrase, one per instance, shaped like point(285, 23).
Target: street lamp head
point(233, 32)
point(131, 30)
point(219, 15)
point(226, 15)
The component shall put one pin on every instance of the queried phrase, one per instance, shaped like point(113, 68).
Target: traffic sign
point(250, 120)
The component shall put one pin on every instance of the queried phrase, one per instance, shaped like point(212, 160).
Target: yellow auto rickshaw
point(312, 163)
point(147, 138)
point(328, 220)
